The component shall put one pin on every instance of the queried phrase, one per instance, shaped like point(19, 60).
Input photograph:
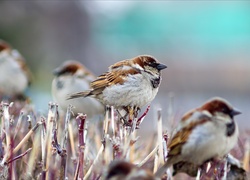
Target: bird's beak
point(161, 66)
point(235, 112)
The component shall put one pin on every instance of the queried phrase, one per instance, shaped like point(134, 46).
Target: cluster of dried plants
point(67, 146)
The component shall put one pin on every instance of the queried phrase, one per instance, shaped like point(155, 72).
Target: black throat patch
point(230, 129)
point(59, 84)
point(155, 82)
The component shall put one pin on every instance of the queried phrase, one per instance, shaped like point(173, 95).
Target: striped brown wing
point(181, 137)
point(110, 78)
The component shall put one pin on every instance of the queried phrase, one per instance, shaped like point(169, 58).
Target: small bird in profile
point(205, 133)
point(127, 171)
point(71, 77)
point(15, 76)
point(128, 85)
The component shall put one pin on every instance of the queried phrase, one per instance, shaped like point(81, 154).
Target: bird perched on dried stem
point(128, 85)
point(205, 133)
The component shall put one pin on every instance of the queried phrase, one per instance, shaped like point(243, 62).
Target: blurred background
point(206, 45)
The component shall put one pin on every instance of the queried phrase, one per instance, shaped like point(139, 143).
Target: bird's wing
point(180, 138)
point(111, 78)
point(182, 135)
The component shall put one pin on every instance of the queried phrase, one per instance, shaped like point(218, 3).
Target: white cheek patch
point(207, 113)
point(126, 68)
point(137, 66)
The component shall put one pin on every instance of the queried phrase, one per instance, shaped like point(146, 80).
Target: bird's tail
point(78, 94)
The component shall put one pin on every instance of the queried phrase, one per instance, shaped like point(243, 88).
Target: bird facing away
point(70, 77)
point(205, 133)
point(128, 85)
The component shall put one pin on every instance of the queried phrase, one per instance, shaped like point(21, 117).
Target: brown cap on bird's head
point(4, 45)
point(68, 67)
point(147, 60)
point(71, 67)
point(218, 104)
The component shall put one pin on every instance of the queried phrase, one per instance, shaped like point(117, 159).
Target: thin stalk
point(62, 173)
point(140, 119)
point(159, 130)
point(94, 162)
point(148, 156)
point(43, 146)
point(246, 157)
point(52, 115)
point(81, 122)
point(19, 156)
point(18, 125)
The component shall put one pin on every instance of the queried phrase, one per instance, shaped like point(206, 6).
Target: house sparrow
point(128, 85)
point(119, 169)
point(14, 74)
point(205, 133)
point(70, 77)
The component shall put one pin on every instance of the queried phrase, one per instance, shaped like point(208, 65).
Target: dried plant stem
point(6, 124)
point(156, 161)
point(43, 147)
point(26, 137)
point(18, 125)
point(62, 173)
point(19, 156)
point(21, 143)
point(165, 148)
point(112, 119)
point(224, 171)
point(105, 132)
point(94, 162)
point(132, 146)
point(148, 156)
point(140, 119)
point(160, 143)
point(48, 154)
point(198, 174)
point(52, 115)
point(246, 158)
point(2, 132)
point(81, 122)
point(77, 171)
point(72, 142)
point(34, 154)
point(66, 125)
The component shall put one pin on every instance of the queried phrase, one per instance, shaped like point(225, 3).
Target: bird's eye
point(153, 64)
point(224, 110)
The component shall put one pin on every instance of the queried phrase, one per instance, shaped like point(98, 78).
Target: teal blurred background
point(206, 45)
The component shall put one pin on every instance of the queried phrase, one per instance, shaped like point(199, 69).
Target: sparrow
point(128, 85)
point(205, 133)
point(15, 76)
point(70, 77)
point(120, 169)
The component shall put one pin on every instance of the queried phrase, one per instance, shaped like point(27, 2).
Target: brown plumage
point(129, 84)
point(203, 133)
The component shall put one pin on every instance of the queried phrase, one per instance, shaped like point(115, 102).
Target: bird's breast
point(136, 91)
